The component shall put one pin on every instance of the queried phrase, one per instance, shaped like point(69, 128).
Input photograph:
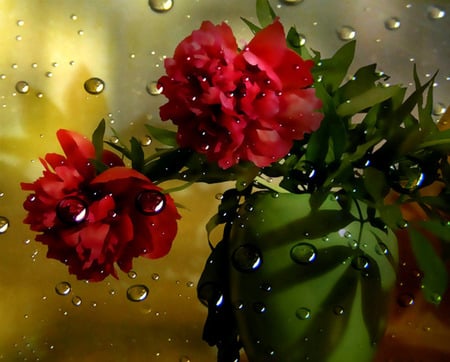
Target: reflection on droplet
point(63, 288)
point(137, 293)
point(22, 87)
point(346, 33)
point(381, 249)
point(4, 224)
point(303, 253)
point(20, 22)
point(360, 262)
point(146, 141)
point(39, 95)
point(94, 85)
point(435, 12)
point(114, 139)
point(406, 175)
point(160, 6)
point(439, 109)
point(405, 300)
point(72, 210)
point(150, 202)
point(392, 23)
point(338, 310)
point(259, 307)
point(246, 258)
point(155, 276)
point(76, 301)
point(73, 17)
point(153, 88)
point(132, 274)
point(303, 313)
point(184, 359)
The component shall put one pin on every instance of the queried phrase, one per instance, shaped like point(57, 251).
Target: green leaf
point(293, 40)
point(97, 140)
point(426, 121)
point(363, 80)
point(441, 138)
point(253, 27)
point(264, 12)
point(375, 183)
point(162, 135)
point(212, 223)
point(437, 227)
point(123, 150)
point(137, 155)
point(435, 277)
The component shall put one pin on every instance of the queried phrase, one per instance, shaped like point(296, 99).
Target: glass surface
point(49, 49)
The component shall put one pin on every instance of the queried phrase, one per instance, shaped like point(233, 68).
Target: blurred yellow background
point(55, 46)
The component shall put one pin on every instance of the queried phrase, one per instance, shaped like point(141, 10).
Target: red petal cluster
point(91, 222)
point(239, 105)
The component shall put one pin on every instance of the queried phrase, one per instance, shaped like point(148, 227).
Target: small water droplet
point(346, 33)
point(266, 287)
point(4, 224)
point(184, 359)
point(132, 274)
point(2, 76)
point(382, 249)
point(338, 310)
point(439, 109)
point(392, 23)
point(63, 288)
point(49, 74)
point(435, 12)
point(22, 87)
point(18, 37)
point(153, 88)
point(160, 6)
point(219, 196)
point(155, 276)
point(150, 202)
point(20, 22)
point(114, 139)
point(80, 32)
point(246, 258)
point(71, 210)
point(405, 300)
point(94, 85)
point(436, 298)
point(259, 307)
point(39, 95)
point(137, 293)
point(292, 2)
point(303, 313)
point(303, 253)
point(360, 262)
point(146, 141)
point(76, 301)
point(73, 17)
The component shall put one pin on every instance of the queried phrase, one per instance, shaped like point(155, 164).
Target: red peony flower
point(91, 222)
point(239, 105)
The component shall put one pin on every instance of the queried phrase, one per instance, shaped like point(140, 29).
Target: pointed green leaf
point(162, 135)
point(137, 155)
point(375, 183)
point(253, 27)
point(264, 12)
point(97, 140)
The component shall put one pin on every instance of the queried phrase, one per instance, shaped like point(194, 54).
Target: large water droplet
point(246, 258)
point(146, 141)
point(4, 224)
point(22, 87)
point(153, 88)
point(150, 202)
point(94, 85)
point(346, 33)
point(63, 288)
point(72, 210)
point(406, 175)
point(303, 313)
point(137, 293)
point(160, 6)
point(392, 23)
point(303, 253)
point(435, 12)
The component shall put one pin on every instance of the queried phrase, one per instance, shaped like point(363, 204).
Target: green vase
point(308, 284)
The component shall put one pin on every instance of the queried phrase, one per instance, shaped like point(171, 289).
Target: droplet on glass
point(94, 85)
point(436, 298)
point(382, 249)
point(63, 288)
point(338, 310)
point(406, 175)
point(150, 202)
point(392, 23)
point(22, 87)
point(49, 74)
point(246, 258)
point(72, 210)
point(137, 293)
point(160, 6)
point(73, 17)
point(360, 263)
point(435, 12)
point(2, 76)
point(303, 253)
point(4, 224)
point(184, 359)
point(259, 307)
point(76, 301)
point(20, 22)
point(405, 300)
point(346, 33)
point(132, 274)
point(40, 95)
point(292, 2)
point(303, 313)
point(155, 276)
point(146, 141)
point(439, 109)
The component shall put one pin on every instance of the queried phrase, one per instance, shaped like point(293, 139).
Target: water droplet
point(259, 307)
point(132, 274)
point(153, 88)
point(49, 74)
point(155, 276)
point(292, 2)
point(137, 293)
point(219, 196)
point(246, 258)
point(72, 210)
point(63, 288)
point(346, 33)
point(303, 253)
point(436, 298)
point(150, 202)
point(190, 284)
point(39, 95)
point(184, 359)
point(360, 263)
point(303, 313)
point(94, 85)
point(439, 109)
point(146, 141)
point(2, 76)
point(80, 32)
point(266, 287)
point(338, 310)
point(392, 23)
point(20, 22)
point(435, 12)
point(381, 249)
point(160, 6)
point(73, 17)
point(405, 300)
point(18, 37)
point(406, 175)
point(76, 301)
point(4, 224)
point(14, 66)
point(22, 87)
